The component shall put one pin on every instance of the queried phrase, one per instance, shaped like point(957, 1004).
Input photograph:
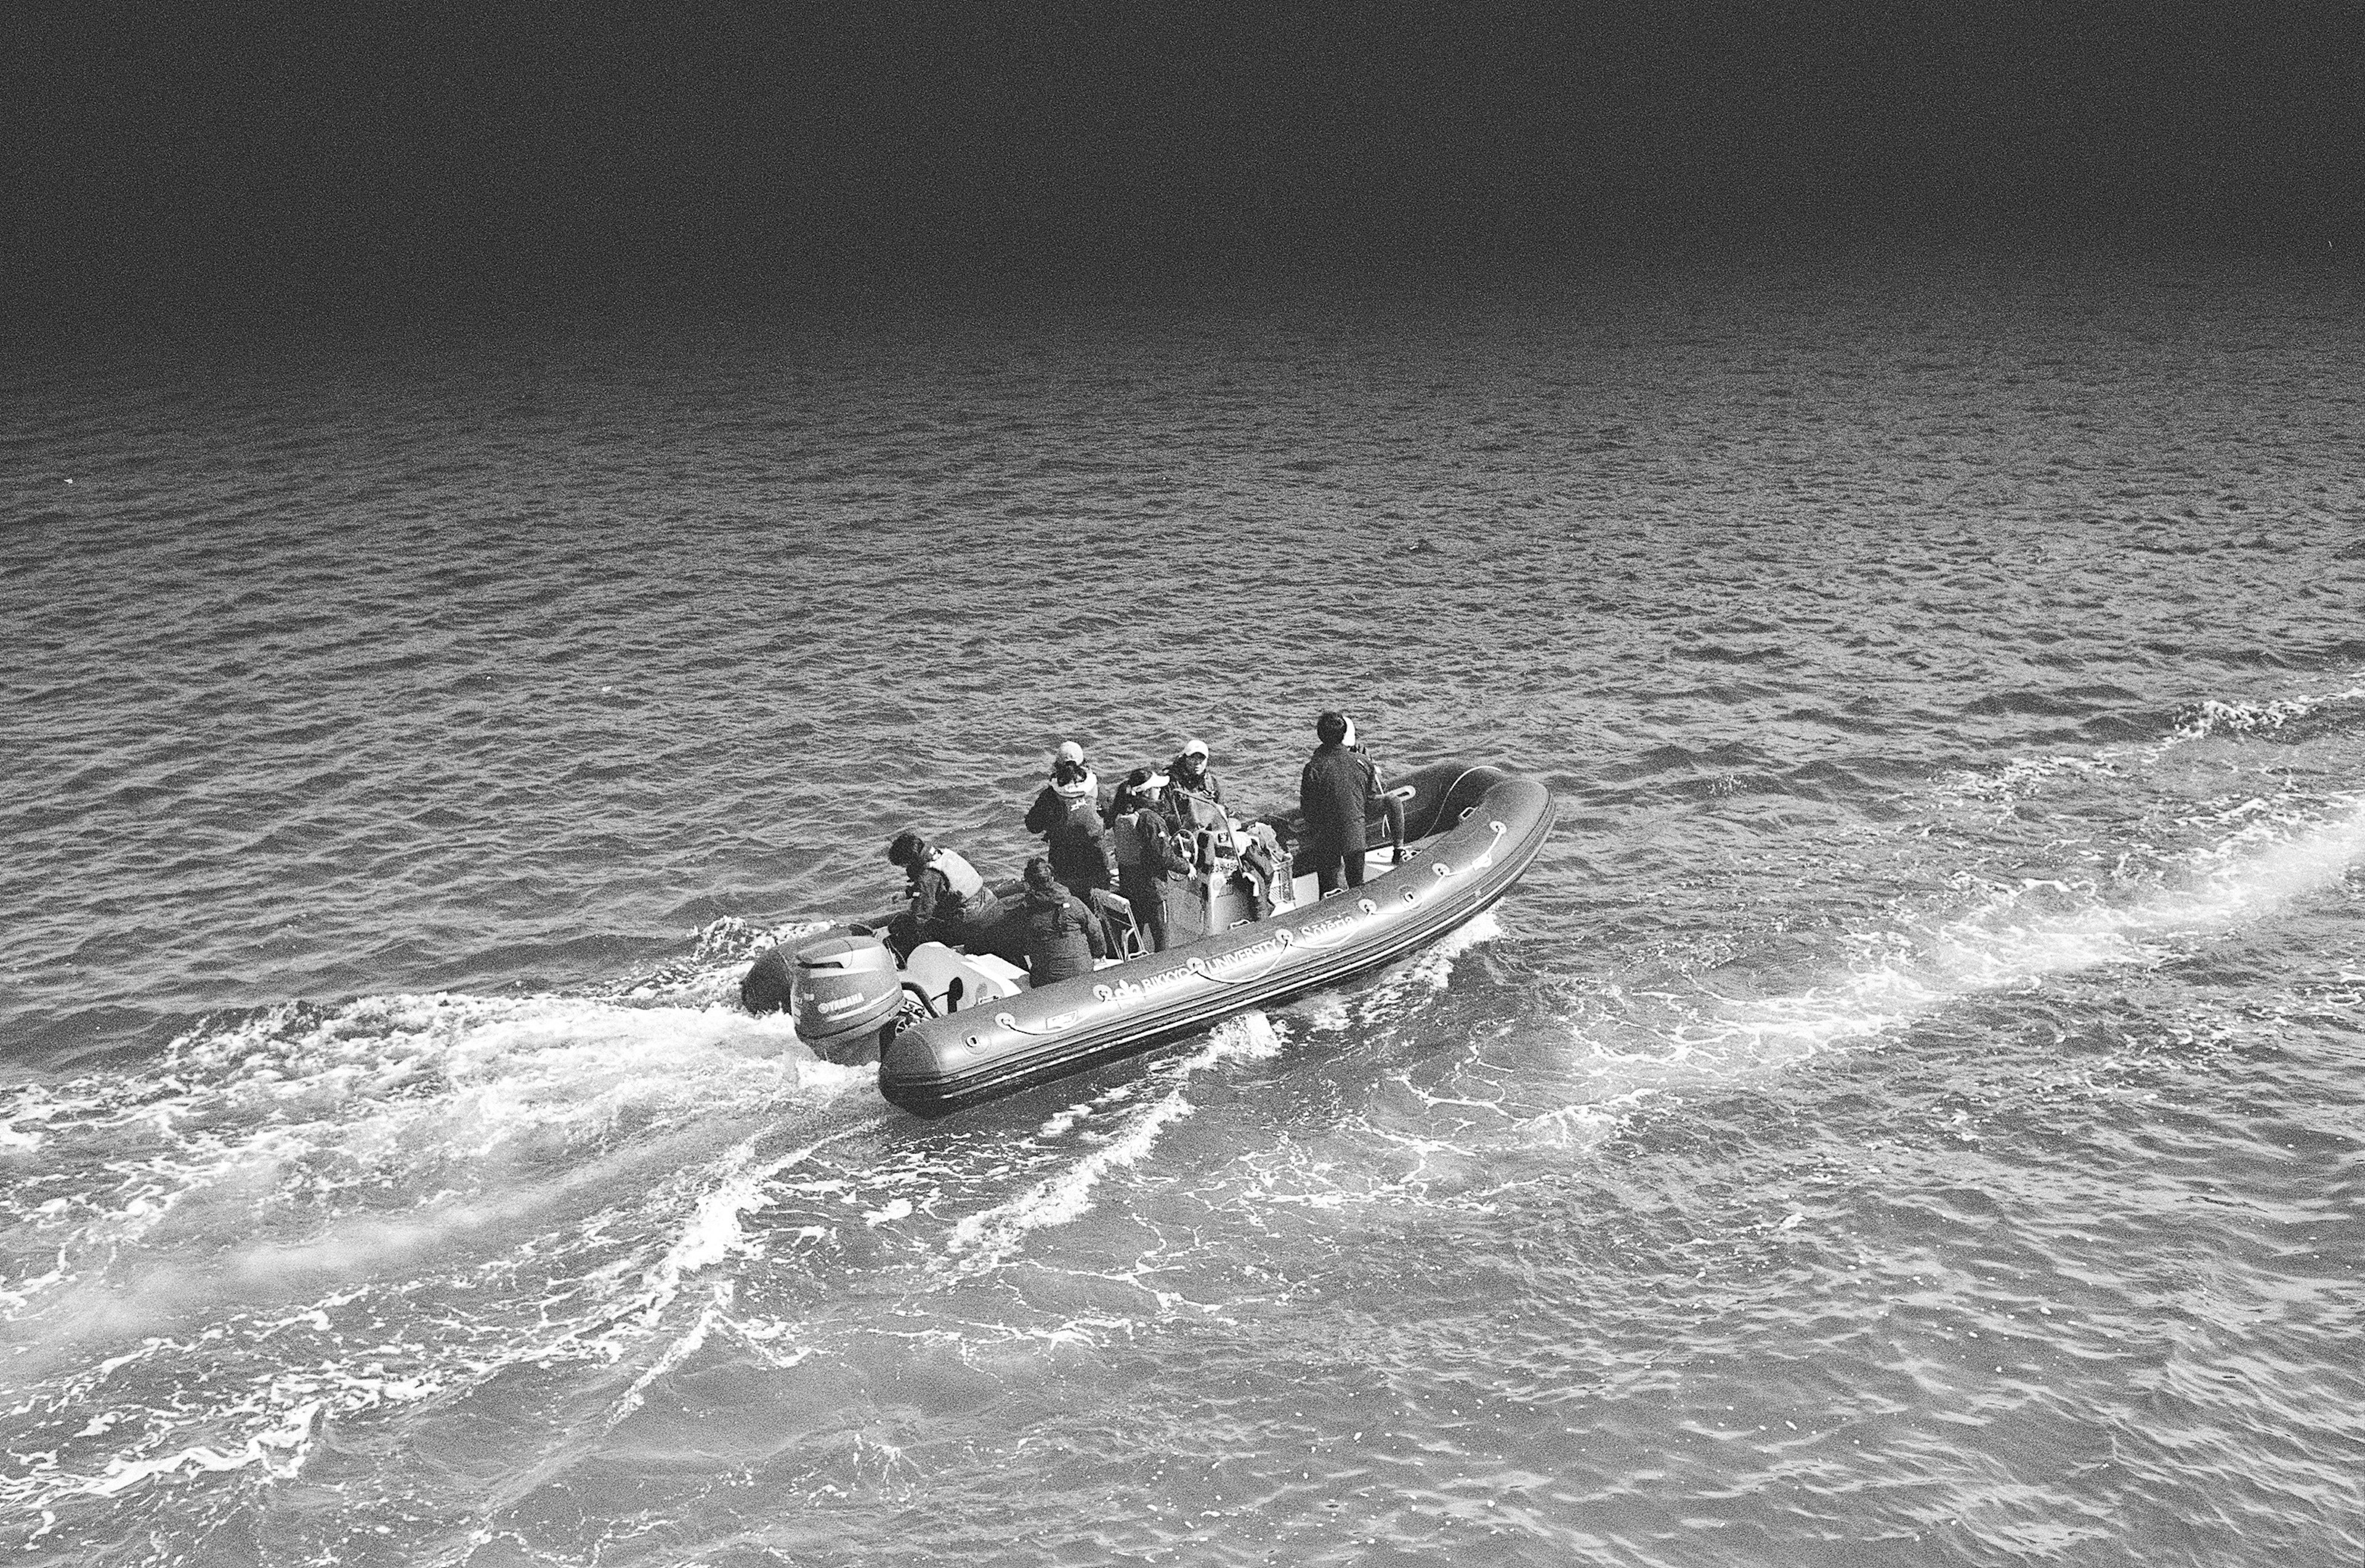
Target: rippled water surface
point(1909, 1113)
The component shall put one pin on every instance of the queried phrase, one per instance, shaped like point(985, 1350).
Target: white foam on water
point(1065, 1120)
point(2210, 716)
point(30, 1103)
point(2265, 853)
point(386, 1092)
point(1423, 973)
point(685, 1346)
point(990, 1238)
point(279, 1450)
point(2197, 720)
point(1432, 966)
point(983, 1240)
point(600, 1320)
point(1581, 1129)
point(1325, 1010)
point(272, 1426)
point(711, 975)
point(1061, 1121)
point(2274, 855)
point(455, 1130)
point(1247, 1037)
point(714, 1230)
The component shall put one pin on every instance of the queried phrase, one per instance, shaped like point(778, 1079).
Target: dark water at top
point(1909, 1113)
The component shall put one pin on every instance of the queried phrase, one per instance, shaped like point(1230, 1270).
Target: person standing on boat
point(1063, 937)
point(1146, 856)
point(1067, 813)
point(1337, 792)
point(950, 902)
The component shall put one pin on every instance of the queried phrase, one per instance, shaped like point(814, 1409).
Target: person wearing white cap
point(1191, 774)
point(1067, 813)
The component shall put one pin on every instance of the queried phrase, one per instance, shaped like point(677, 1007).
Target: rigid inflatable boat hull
point(1478, 829)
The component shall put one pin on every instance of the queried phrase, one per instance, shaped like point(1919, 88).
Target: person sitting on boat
point(950, 902)
point(1339, 786)
point(1067, 813)
point(1063, 937)
point(1191, 774)
point(1146, 856)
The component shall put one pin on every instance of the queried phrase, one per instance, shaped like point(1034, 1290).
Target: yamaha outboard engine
point(840, 990)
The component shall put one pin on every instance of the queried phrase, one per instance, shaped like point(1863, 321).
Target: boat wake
point(2066, 898)
point(983, 1240)
point(279, 1187)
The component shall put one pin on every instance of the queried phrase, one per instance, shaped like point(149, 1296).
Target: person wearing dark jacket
point(1063, 937)
point(1146, 856)
point(1067, 813)
point(1192, 775)
point(1337, 790)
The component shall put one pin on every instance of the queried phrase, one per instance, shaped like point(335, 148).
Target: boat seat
point(951, 980)
point(1116, 912)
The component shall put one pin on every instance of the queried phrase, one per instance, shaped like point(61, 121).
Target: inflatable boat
point(952, 1028)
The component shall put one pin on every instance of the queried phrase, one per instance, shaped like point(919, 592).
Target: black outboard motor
point(839, 990)
point(766, 986)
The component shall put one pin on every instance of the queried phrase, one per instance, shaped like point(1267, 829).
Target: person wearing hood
point(1146, 855)
point(1063, 937)
point(1067, 813)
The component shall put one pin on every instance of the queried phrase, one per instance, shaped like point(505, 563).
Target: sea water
point(1910, 1113)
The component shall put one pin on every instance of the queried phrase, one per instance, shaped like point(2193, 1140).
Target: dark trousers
point(1147, 894)
point(975, 927)
point(1325, 868)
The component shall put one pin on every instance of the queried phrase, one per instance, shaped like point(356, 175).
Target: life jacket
point(962, 883)
point(1140, 835)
